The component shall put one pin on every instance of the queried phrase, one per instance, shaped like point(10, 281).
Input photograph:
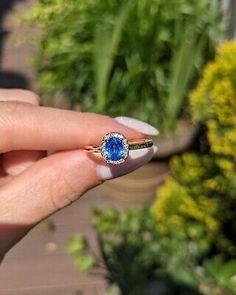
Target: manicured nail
point(138, 125)
point(137, 158)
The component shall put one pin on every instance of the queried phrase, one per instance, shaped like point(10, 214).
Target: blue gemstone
point(114, 148)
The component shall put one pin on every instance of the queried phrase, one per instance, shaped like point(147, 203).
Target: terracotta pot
point(142, 184)
point(138, 186)
point(176, 142)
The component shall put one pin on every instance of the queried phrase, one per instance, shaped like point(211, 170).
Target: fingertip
point(137, 158)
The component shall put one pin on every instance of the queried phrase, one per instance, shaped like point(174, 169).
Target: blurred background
point(170, 227)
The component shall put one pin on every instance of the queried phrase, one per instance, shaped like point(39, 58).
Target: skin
point(33, 184)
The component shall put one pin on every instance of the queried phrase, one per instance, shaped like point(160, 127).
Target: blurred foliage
point(214, 103)
point(77, 248)
point(183, 211)
point(186, 243)
point(198, 203)
point(131, 251)
point(120, 57)
point(136, 258)
point(222, 275)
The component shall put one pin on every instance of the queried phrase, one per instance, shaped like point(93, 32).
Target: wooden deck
point(40, 265)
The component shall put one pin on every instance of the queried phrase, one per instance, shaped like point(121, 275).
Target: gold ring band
point(133, 145)
point(115, 147)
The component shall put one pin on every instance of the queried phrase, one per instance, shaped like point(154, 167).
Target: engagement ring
point(115, 147)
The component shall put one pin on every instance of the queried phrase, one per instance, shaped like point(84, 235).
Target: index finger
point(29, 127)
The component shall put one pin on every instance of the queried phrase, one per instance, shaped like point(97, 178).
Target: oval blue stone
point(114, 148)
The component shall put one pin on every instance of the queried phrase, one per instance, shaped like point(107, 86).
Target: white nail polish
point(137, 158)
point(138, 125)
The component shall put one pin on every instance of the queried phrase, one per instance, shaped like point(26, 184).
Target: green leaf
point(107, 41)
point(85, 263)
point(76, 245)
point(224, 273)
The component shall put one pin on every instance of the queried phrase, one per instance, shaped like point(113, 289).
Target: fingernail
point(138, 125)
point(137, 158)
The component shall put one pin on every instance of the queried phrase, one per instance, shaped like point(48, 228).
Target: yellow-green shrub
point(198, 202)
point(214, 102)
point(183, 209)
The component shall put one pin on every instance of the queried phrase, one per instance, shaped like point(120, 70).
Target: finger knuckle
point(62, 191)
point(29, 96)
point(11, 113)
point(7, 111)
point(69, 181)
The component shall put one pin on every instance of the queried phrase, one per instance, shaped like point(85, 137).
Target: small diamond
point(114, 148)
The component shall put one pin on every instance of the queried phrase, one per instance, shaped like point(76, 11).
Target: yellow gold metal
point(133, 145)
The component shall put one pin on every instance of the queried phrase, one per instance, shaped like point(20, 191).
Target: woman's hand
point(34, 185)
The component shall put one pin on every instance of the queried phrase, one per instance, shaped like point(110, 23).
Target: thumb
point(54, 182)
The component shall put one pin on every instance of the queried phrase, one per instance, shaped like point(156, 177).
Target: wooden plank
point(29, 267)
point(83, 289)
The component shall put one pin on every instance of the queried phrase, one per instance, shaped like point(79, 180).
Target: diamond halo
point(115, 148)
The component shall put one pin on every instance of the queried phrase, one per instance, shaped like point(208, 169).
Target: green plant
point(214, 103)
point(126, 251)
point(220, 275)
point(133, 255)
point(197, 204)
point(119, 57)
point(77, 248)
point(186, 242)
point(188, 207)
